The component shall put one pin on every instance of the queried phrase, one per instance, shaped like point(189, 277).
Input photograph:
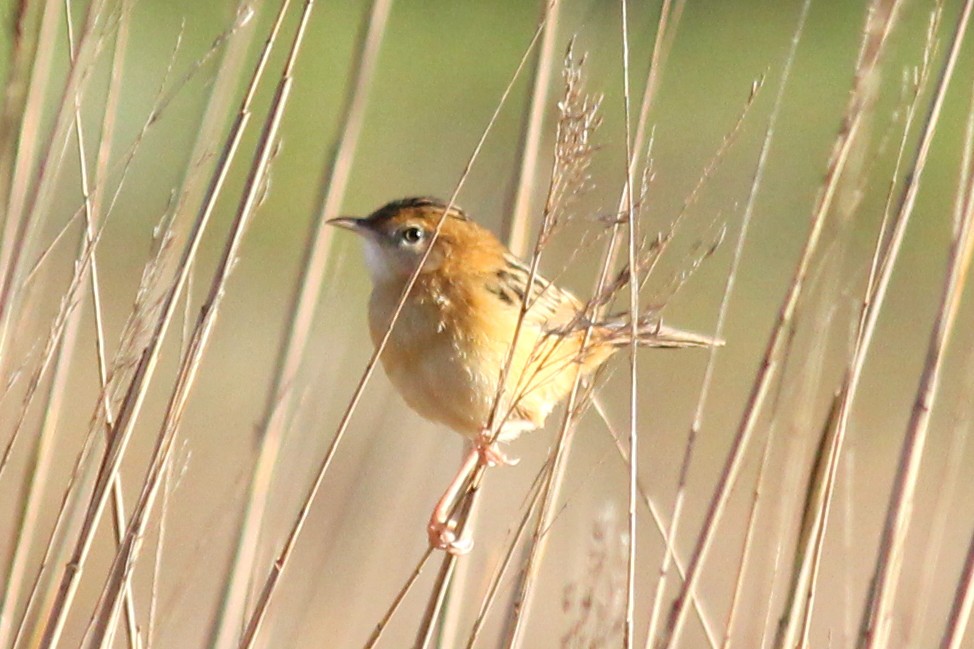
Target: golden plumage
point(452, 337)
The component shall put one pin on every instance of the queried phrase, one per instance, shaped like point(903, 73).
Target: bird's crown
point(424, 208)
point(399, 233)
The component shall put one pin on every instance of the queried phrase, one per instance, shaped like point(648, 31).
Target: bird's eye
point(412, 234)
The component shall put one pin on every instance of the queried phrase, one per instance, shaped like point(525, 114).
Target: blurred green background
point(443, 67)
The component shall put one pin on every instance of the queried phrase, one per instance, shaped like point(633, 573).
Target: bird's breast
point(436, 361)
point(446, 351)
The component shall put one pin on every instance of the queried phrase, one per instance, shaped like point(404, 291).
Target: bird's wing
point(549, 307)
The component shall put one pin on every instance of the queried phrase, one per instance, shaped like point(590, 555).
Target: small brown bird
point(452, 338)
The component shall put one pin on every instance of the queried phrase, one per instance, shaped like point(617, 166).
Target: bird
point(474, 309)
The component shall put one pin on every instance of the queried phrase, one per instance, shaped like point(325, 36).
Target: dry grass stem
point(652, 255)
point(746, 548)
point(797, 618)
point(877, 620)
point(705, 386)
point(946, 497)
point(574, 404)
point(23, 146)
point(91, 223)
point(25, 56)
point(632, 228)
point(666, 28)
point(144, 368)
point(763, 380)
point(105, 373)
point(36, 203)
point(280, 563)
point(516, 222)
point(281, 398)
point(515, 232)
point(254, 189)
point(578, 121)
point(658, 522)
point(514, 538)
point(380, 627)
point(960, 610)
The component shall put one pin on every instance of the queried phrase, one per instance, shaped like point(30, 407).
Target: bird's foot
point(490, 453)
point(443, 536)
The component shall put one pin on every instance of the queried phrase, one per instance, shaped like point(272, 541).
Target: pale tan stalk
point(808, 387)
point(490, 595)
point(770, 364)
point(380, 627)
point(281, 561)
point(282, 396)
point(24, 30)
point(877, 620)
point(747, 546)
point(652, 256)
point(658, 523)
point(560, 192)
point(91, 224)
point(38, 471)
point(656, 251)
point(48, 356)
point(41, 595)
point(24, 144)
point(525, 590)
point(960, 609)
point(108, 606)
point(550, 489)
point(145, 366)
point(515, 231)
point(194, 182)
point(889, 563)
point(946, 497)
point(168, 486)
point(437, 601)
point(25, 213)
point(516, 221)
point(697, 424)
point(669, 18)
point(67, 306)
point(959, 437)
point(16, 226)
point(58, 353)
point(632, 226)
point(798, 614)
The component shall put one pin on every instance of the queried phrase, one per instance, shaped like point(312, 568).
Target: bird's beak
point(349, 223)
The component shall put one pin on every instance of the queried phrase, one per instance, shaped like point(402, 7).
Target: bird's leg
point(442, 530)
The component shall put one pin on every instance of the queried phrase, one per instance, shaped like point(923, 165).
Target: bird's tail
point(651, 332)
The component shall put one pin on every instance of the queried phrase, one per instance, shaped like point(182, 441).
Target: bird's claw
point(443, 536)
point(490, 454)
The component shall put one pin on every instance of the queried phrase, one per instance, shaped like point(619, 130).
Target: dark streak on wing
point(548, 305)
point(500, 292)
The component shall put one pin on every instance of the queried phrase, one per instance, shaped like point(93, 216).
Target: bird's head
point(398, 234)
